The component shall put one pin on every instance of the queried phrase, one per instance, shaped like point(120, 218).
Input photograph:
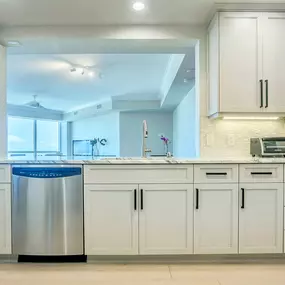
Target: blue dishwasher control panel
point(44, 172)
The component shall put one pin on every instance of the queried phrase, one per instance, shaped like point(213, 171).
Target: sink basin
point(136, 158)
point(139, 159)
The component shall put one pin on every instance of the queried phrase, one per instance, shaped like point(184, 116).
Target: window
point(30, 139)
point(21, 138)
point(47, 136)
point(47, 139)
point(20, 134)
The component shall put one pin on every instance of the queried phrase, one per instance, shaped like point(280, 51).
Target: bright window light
point(91, 73)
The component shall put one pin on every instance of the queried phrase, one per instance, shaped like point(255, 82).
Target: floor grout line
point(170, 272)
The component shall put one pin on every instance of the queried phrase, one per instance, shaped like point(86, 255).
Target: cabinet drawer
point(5, 174)
point(138, 174)
point(261, 173)
point(216, 173)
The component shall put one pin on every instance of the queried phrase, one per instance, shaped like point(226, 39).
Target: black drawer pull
point(197, 199)
point(261, 173)
point(242, 198)
point(141, 199)
point(216, 173)
point(135, 199)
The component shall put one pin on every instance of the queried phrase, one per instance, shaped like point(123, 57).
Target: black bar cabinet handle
point(216, 173)
point(261, 173)
point(135, 199)
point(266, 93)
point(242, 198)
point(261, 93)
point(141, 199)
point(197, 199)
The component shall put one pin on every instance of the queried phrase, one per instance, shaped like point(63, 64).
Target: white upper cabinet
point(245, 61)
point(274, 61)
point(239, 65)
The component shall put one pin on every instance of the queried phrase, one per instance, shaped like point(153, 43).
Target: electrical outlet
point(231, 140)
point(209, 139)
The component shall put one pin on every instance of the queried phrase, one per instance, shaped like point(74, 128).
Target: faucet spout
point(145, 131)
point(145, 150)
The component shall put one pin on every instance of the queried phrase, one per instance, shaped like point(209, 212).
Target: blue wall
point(185, 127)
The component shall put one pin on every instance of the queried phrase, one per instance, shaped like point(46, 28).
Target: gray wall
point(103, 126)
point(131, 131)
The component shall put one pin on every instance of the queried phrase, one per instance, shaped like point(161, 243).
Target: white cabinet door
point(166, 219)
point(111, 219)
point(240, 62)
point(216, 219)
point(274, 61)
point(261, 218)
point(5, 173)
point(5, 219)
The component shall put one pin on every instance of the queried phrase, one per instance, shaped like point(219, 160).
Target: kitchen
point(185, 186)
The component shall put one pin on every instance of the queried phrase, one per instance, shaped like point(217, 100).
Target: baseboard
point(176, 259)
point(8, 258)
point(190, 259)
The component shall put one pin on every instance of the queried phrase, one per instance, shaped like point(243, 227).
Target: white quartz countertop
point(145, 161)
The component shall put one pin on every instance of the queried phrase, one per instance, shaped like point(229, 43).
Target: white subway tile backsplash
point(230, 139)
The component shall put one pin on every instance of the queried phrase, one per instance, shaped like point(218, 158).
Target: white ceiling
point(94, 12)
point(134, 77)
point(127, 76)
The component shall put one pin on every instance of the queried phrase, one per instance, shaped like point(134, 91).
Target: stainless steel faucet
point(145, 150)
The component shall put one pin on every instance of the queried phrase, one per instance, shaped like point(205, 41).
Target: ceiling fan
point(36, 104)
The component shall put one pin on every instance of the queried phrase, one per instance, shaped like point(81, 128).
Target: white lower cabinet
point(5, 219)
point(111, 220)
point(216, 219)
point(166, 219)
point(208, 217)
point(261, 218)
point(138, 219)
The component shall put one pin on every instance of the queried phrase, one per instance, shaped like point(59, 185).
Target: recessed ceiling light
point(138, 6)
point(13, 44)
point(91, 73)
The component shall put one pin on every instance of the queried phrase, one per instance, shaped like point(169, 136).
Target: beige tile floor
point(87, 274)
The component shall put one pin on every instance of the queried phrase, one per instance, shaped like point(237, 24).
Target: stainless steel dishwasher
point(47, 210)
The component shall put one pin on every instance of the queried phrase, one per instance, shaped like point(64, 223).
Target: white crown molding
point(37, 113)
point(258, 7)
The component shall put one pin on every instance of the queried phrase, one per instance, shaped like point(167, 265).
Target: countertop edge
point(147, 161)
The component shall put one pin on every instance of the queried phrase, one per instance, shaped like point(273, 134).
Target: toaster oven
point(267, 147)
